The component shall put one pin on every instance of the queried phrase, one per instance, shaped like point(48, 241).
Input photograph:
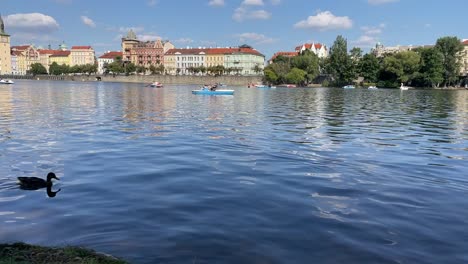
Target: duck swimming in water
point(34, 183)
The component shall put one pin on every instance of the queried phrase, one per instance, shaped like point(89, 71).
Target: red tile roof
point(111, 55)
point(81, 47)
point(61, 53)
point(284, 53)
point(47, 51)
point(24, 47)
point(465, 42)
point(16, 52)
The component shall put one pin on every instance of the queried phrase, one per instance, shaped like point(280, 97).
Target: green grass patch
point(21, 253)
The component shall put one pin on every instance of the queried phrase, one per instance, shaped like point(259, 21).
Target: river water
point(265, 176)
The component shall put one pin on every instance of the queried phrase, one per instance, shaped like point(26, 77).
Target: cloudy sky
point(267, 25)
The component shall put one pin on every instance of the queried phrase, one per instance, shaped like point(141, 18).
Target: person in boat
point(213, 87)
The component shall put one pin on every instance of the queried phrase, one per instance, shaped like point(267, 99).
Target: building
point(5, 52)
point(25, 55)
point(287, 54)
point(380, 49)
point(60, 57)
point(106, 59)
point(81, 55)
point(243, 60)
point(317, 48)
point(144, 53)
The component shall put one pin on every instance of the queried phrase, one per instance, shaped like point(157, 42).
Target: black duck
point(34, 183)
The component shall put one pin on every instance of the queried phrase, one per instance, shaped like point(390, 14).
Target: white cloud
point(366, 41)
point(379, 2)
point(148, 37)
point(152, 2)
point(32, 22)
point(325, 21)
point(216, 3)
point(255, 37)
point(127, 29)
point(241, 14)
point(88, 21)
point(184, 40)
point(253, 2)
point(373, 30)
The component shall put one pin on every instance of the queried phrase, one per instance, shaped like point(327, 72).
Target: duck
point(34, 183)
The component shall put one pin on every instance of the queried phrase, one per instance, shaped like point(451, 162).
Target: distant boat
point(156, 84)
point(348, 87)
point(372, 88)
point(2, 81)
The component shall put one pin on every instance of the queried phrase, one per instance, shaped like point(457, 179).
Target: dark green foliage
point(450, 48)
point(37, 68)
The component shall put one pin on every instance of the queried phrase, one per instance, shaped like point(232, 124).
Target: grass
point(21, 253)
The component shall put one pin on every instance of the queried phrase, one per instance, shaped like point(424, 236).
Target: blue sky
point(267, 25)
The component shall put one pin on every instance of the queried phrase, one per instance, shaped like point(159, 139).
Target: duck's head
point(51, 176)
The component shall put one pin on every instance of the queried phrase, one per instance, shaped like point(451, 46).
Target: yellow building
point(25, 56)
point(170, 63)
point(60, 57)
point(215, 57)
point(5, 56)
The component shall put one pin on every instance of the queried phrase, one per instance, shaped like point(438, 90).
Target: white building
point(318, 49)
point(106, 59)
point(81, 55)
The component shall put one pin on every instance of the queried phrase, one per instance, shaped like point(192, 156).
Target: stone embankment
point(165, 79)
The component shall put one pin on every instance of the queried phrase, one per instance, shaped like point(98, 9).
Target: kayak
point(216, 92)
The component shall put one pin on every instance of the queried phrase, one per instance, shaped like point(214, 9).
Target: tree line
point(56, 69)
point(435, 66)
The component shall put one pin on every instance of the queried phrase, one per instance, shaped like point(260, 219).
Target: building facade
point(5, 52)
point(287, 54)
point(81, 55)
point(107, 58)
point(242, 60)
point(379, 50)
point(317, 48)
point(144, 53)
point(25, 56)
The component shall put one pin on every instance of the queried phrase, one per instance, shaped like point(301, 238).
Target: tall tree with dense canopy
point(340, 65)
point(450, 48)
point(368, 67)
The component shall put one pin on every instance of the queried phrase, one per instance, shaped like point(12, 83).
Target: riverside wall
point(164, 79)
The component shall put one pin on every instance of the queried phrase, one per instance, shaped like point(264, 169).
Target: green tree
point(130, 67)
point(54, 69)
point(432, 67)
point(410, 62)
point(296, 76)
point(37, 68)
point(308, 62)
point(368, 67)
point(340, 65)
point(270, 75)
point(116, 67)
point(450, 48)
point(152, 69)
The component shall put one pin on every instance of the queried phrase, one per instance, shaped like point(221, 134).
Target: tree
point(432, 68)
point(308, 62)
point(54, 69)
point(37, 68)
point(339, 64)
point(410, 63)
point(368, 67)
point(270, 75)
point(450, 48)
point(356, 54)
point(296, 76)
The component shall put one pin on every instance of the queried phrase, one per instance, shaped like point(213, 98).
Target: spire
point(131, 34)
point(2, 26)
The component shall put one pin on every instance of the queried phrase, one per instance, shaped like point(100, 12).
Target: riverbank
point(164, 79)
point(25, 253)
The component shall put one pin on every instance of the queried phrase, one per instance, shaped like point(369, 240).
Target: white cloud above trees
point(324, 21)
